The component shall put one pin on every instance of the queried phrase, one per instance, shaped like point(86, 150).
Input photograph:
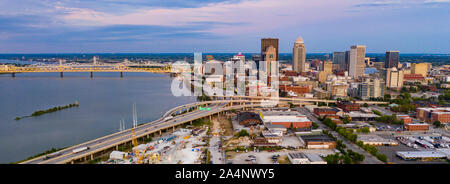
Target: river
point(104, 100)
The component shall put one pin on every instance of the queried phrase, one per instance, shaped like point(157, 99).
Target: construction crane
point(135, 144)
point(153, 158)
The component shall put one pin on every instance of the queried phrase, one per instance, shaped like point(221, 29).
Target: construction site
point(184, 146)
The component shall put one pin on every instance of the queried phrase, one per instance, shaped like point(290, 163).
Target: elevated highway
point(182, 115)
point(113, 141)
point(293, 100)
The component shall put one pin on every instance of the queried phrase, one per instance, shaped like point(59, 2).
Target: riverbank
point(50, 110)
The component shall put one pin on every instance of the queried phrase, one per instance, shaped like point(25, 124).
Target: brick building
point(417, 127)
point(406, 119)
point(325, 111)
point(348, 106)
point(413, 78)
point(286, 118)
point(290, 73)
point(431, 115)
point(296, 89)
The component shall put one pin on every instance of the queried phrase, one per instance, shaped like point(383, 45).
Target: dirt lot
point(226, 125)
point(291, 141)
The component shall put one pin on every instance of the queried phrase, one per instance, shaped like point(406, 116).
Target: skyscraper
point(269, 57)
point(394, 78)
point(327, 66)
point(392, 59)
point(371, 88)
point(357, 64)
point(265, 43)
point(299, 55)
point(347, 60)
point(339, 58)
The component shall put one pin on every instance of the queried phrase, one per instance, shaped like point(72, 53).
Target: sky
point(223, 26)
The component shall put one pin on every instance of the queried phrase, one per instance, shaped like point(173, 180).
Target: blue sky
point(153, 26)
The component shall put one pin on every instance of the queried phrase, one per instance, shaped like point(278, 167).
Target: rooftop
point(323, 138)
point(354, 114)
point(270, 125)
point(313, 157)
point(297, 155)
point(421, 154)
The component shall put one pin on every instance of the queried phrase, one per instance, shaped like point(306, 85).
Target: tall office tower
point(378, 88)
point(339, 59)
point(371, 88)
point(265, 43)
point(327, 67)
point(270, 54)
point(419, 68)
point(394, 78)
point(392, 59)
point(256, 58)
point(299, 55)
point(347, 60)
point(357, 64)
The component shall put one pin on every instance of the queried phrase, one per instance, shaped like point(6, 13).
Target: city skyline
point(221, 26)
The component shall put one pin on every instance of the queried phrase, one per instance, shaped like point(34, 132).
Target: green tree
point(243, 133)
point(437, 124)
point(346, 119)
point(382, 157)
point(291, 105)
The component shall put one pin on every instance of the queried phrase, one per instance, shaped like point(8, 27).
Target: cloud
point(101, 24)
point(400, 3)
point(378, 4)
point(251, 15)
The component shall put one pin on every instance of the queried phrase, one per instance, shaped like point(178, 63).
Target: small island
point(54, 109)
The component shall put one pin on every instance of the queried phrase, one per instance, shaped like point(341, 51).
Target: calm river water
point(104, 100)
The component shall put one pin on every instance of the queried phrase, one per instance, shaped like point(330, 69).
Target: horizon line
point(206, 53)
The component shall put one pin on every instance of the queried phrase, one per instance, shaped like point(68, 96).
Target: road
point(124, 136)
point(216, 154)
point(369, 159)
point(382, 110)
point(119, 138)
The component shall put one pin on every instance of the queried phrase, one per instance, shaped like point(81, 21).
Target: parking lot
point(390, 151)
point(265, 157)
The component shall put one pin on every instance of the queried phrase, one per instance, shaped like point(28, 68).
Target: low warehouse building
point(421, 155)
point(318, 142)
point(417, 127)
point(118, 155)
point(376, 140)
point(305, 158)
point(286, 118)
